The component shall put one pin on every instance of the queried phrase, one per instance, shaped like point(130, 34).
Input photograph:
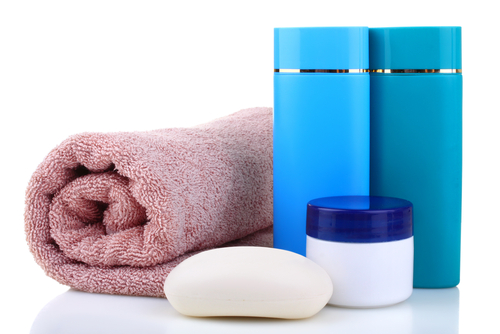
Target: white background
point(75, 66)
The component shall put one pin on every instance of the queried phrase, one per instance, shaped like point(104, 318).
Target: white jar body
point(365, 274)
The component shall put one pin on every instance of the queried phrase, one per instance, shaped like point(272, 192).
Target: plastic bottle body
point(321, 146)
point(416, 154)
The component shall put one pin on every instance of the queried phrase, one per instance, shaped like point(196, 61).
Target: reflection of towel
point(115, 212)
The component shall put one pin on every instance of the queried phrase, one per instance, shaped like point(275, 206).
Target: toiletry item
point(416, 139)
point(115, 212)
point(248, 281)
point(321, 123)
point(366, 246)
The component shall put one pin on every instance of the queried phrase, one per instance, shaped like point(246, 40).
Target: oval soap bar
point(248, 281)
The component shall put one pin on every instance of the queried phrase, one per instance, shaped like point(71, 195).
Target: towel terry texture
point(116, 212)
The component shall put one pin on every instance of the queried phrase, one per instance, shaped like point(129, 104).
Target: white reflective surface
point(426, 311)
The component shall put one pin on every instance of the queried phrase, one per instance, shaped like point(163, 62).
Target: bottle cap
point(327, 48)
point(418, 48)
point(359, 219)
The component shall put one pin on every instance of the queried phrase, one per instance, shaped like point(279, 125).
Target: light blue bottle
point(416, 139)
point(321, 123)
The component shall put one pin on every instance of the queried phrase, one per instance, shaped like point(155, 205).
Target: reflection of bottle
point(435, 311)
point(321, 123)
point(416, 139)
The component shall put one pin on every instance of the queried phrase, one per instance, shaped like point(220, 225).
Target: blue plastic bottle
point(416, 139)
point(321, 123)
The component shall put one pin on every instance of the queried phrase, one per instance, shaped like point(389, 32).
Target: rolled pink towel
point(115, 212)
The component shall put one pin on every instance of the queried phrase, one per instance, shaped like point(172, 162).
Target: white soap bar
point(248, 281)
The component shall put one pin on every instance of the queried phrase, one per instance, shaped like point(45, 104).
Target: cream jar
point(365, 244)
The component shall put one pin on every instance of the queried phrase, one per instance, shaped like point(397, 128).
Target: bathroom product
point(248, 281)
point(321, 123)
point(416, 139)
point(366, 246)
point(115, 212)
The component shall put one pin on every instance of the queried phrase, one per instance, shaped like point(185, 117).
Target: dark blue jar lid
point(361, 219)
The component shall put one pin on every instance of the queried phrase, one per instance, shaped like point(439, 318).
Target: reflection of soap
point(248, 281)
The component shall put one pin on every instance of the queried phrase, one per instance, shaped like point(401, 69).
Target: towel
point(116, 212)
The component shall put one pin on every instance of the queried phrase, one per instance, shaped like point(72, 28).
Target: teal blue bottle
point(321, 123)
point(416, 139)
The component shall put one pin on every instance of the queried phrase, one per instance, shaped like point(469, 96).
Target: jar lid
point(360, 219)
point(321, 48)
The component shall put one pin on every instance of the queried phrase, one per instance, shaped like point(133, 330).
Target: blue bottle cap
point(360, 219)
point(324, 48)
point(416, 48)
